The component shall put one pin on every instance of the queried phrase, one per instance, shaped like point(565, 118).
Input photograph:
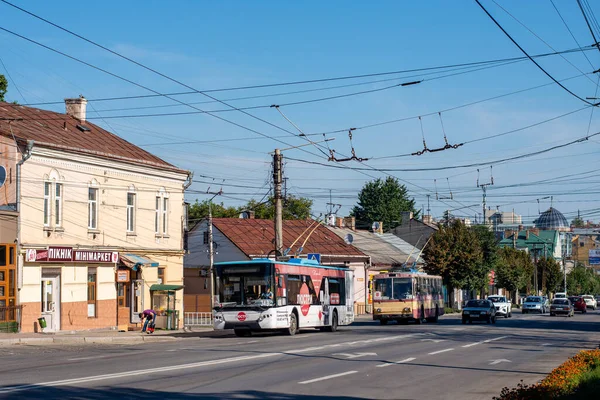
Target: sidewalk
point(98, 336)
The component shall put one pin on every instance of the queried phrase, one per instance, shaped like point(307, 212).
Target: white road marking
point(396, 362)
point(433, 340)
point(135, 373)
point(546, 344)
point(85, 358)
point(440, 351)
point(381, 339)
point(95, 378)
point(484, 341)
point(323, 378)
point(501, 360)
point(354, 355)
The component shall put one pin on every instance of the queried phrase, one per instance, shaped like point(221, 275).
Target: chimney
point(76, 108)
point(339, 222)
point(527, 234)
point(406, 217)
point(251, 214)
point(427, 219)
point(520, 228)
point(350, 222)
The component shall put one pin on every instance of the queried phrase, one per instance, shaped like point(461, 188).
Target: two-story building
point(99, 222)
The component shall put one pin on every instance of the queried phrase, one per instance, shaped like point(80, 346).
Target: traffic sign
point(314, 256)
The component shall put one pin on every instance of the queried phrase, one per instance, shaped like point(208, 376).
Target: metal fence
point(197, 319)
point(10, 318)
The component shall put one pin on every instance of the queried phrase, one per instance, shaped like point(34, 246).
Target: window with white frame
point(92, 208)
point(165, 216)
point(58, 204)
point(157, 215)
point(47, 203)
point(130, 212)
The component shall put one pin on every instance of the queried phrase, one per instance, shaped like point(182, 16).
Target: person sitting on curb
point(150, 317)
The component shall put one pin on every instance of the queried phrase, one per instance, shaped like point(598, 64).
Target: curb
point(86, 340)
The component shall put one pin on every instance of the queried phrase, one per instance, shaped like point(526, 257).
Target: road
point(447, 360)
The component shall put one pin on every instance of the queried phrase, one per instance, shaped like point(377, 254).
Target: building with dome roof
point(552, 219)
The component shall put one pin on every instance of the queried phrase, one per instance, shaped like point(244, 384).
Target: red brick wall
point(29, 317)
point(74, 315)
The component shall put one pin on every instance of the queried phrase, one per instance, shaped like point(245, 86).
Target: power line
point(152, 90)
point(531, 58)
point(582, 139)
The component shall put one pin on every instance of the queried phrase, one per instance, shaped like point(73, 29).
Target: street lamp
point(211, 256)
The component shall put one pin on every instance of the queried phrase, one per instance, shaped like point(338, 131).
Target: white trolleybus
point(267, 295)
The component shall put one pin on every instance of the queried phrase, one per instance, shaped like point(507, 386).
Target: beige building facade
point(100, 223)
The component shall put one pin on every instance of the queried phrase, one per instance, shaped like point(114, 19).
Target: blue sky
point(215, 45)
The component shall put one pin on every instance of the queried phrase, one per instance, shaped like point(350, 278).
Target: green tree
point(581, 280)
point(3, 86)
point(487, 242)
point(513, 269)
point(550, 276)
point(383, 201)
point(454, 253)
point(578, 223)
point(293, 208)
point(199, 210)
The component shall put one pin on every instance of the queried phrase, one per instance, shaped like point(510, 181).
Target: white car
point(502, 304)
point(560, 295)
point(590, 301)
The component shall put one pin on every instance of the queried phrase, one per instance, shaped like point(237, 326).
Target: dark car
point(562, 306)
point(479, 310)
point(578, 303)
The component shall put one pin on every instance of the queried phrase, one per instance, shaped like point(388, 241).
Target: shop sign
point(594, 256)
point(68, 254)
point(123, 276)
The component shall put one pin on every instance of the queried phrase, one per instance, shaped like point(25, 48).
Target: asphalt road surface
point(446, 360)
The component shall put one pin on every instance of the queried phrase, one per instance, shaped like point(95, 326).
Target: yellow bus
point(404, 296)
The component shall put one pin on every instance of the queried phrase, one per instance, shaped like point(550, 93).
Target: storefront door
point(137, 299)
point(51, 303)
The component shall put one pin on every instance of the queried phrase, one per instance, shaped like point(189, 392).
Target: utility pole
point(483, 187)
point(277, 180)
point(211, 254)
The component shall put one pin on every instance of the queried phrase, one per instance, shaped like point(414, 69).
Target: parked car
point(578, 304)
point(534, 304)
point(590, 301)
point(479, 310)
point(597, 301)
point(562, 306)
point(503, 306)
point(560, 295)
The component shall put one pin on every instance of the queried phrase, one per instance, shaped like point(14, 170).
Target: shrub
point(563, 381)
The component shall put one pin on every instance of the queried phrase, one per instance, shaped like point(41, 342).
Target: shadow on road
point(70, 392)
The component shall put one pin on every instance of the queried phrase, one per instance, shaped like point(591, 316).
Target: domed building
point(552, 219)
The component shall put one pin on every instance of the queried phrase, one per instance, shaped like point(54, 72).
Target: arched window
point(93, 198)
point(53, 199)
point(131, 208)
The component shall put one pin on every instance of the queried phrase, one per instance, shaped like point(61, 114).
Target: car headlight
point(378, 310)
point(406, 309)
point(465, 313)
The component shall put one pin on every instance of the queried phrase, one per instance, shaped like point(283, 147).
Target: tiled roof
point(381, 252)
point(59, 131)
point(254, 237)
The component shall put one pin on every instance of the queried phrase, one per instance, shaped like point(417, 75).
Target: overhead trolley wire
point(531, 58)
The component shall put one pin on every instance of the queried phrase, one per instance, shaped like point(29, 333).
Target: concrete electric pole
point(277, 181)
